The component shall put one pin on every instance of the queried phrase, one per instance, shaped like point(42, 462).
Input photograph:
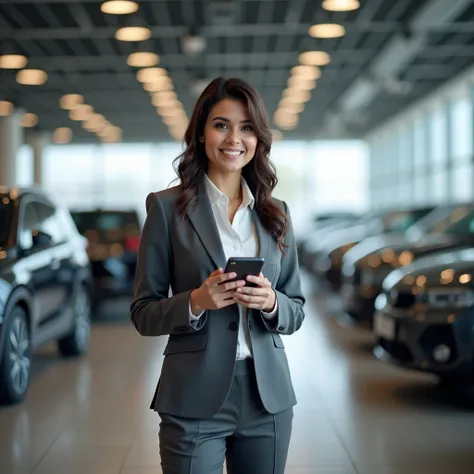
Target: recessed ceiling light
point(152, 74)
point(81, 113)
point(156, 87)
point(29, 120)
point(62, 135)
point(12, 61)
point(143, 59)
point(327, 30)
point(297, 95)
point(119, 7)
point(306, 72)
point(293, 107)
point(299, 82)
point(31, 77)
point(70, 101)
point(315, 58)
point(6, 108)
point(133, 33)
point(341, 5)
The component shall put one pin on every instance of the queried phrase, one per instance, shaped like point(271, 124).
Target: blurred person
point(225, 390)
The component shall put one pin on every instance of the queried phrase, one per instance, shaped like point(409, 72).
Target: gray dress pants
point(251, 440)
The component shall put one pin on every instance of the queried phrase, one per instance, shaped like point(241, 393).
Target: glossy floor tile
point(355, 414)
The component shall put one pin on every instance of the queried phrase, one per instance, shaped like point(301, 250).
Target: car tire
point(16, 358)
point(76, 343)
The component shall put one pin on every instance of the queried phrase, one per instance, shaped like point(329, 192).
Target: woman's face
point(229, 137)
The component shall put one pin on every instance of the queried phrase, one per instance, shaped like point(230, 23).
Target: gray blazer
point(199, 362)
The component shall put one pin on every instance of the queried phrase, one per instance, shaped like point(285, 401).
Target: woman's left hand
point(263, 297)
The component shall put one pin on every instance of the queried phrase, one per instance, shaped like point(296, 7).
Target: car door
point(59, 252)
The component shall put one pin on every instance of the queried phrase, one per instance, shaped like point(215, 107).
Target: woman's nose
point(233, 136)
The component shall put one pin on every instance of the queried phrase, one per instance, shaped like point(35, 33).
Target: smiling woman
point(225, 389)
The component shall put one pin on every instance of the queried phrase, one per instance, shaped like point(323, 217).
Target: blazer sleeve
point(153, 311)
point(290, 299)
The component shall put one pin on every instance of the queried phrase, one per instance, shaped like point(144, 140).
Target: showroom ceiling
point(393, 52)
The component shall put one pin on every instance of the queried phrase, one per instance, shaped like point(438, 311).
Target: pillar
point(38, 140)
point(11, 139)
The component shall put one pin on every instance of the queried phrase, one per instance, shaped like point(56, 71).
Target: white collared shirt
point(239, 239)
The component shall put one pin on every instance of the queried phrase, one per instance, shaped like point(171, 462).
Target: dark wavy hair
point(259, 173)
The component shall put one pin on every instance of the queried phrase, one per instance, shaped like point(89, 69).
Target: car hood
point(343, 237)
point(428, 244)
point(440, 269)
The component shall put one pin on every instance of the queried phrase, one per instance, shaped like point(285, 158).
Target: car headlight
point(451, 298)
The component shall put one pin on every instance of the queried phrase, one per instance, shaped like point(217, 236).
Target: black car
point(328, 260)
point(44, 285)
point(367, 264)
point(424, 317)
point(113, 237)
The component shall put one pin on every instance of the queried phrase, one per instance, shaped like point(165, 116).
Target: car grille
point(403, 300)
point(397, 350)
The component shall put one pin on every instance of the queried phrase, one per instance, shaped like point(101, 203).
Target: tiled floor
point(355, 415)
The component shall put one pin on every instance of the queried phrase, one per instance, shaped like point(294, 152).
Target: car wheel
point(15, 362)
point(76, 343)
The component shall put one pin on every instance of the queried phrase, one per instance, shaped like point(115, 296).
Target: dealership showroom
point(370, 108)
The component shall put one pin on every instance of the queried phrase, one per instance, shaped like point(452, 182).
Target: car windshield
point(106, 226)
point(5, 215)
point(400, 221)
point(463, 226)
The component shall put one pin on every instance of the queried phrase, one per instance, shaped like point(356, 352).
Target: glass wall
point(425, 155)
point(314, 176)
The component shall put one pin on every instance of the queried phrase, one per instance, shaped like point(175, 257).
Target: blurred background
point(371, 105)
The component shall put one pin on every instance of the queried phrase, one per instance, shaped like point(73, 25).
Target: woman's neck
point(229, 184)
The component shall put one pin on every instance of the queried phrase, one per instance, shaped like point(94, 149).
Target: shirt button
point(233, 326)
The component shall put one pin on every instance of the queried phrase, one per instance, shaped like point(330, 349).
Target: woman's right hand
point(214, 293)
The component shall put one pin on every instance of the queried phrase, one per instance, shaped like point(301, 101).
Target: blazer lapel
point(264, 238)
point(202, 219)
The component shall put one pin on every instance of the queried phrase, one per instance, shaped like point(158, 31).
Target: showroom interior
point(371, 107)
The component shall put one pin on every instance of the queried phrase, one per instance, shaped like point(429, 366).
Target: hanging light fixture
point(6, 108)
point(327, 30)
point(341, 5)
point(119, 7)
point(152, 74)
point(31, 77)
point(306, 72)
point(143, 59)
point(71, 101)
point(29, 120)
point(133, 33)
point(12, 61)
point(62, 135)
point(314, 58)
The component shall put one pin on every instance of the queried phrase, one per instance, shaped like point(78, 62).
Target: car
point(424, 317)
point(328, 260)
point(45, 284)
point(367, 264)
point(113, 237)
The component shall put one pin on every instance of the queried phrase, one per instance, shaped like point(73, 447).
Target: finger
point(217, 272)
point(260, 280)
point(250, 290)
point(217, 279)
point(253, 302)
point(232, 285)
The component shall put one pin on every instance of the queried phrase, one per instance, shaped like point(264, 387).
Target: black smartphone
point(244, 266)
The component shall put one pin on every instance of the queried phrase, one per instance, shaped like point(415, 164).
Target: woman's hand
point(263, 297)
point(214, 293)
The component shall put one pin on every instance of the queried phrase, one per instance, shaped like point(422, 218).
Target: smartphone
point(244, 266)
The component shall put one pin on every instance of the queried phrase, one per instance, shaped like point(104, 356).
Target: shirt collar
point(215, 194)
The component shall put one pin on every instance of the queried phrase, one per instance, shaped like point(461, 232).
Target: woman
point(225, 390)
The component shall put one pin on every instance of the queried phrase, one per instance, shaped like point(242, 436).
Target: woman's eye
point(248, 128)
point(221, 125)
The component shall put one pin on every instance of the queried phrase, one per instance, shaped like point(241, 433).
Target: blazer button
point(233, 326)
point(281, 328)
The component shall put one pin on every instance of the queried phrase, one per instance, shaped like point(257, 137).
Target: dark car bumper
point(416, 341)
